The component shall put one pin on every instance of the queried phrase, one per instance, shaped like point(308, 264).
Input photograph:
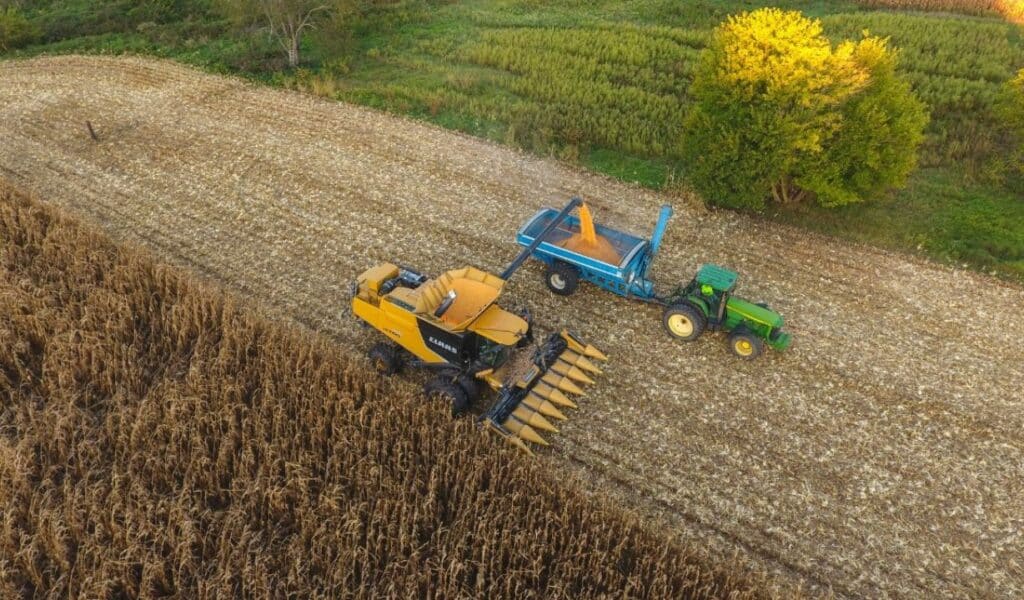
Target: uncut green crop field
point(615, 84)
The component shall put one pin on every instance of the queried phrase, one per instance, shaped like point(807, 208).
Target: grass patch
point(644, 171)
point(940, 214)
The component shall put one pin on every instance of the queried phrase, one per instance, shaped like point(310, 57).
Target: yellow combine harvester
point(452, 324)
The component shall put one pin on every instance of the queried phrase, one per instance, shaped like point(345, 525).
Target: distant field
point(1012, 10)
point(621, 84)
point(607, 87)
point(881, 455)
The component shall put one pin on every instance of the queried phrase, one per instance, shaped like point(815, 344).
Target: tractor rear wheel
point(444, 389)
point(684, 321)
point(562, 279)
point(385, 359)
point(745, 344)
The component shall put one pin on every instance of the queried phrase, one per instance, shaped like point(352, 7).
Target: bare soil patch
point(881, 455)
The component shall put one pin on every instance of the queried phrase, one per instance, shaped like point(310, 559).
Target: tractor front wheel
point(445, 390)
point(562, 279)
point(684, 321)
point(385, 359)
point(745, 345)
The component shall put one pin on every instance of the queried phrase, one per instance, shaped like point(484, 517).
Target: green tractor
point(707, 303)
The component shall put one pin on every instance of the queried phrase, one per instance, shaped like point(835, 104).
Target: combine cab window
point(492, 354)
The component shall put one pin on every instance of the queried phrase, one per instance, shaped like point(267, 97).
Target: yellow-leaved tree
point(781, 114)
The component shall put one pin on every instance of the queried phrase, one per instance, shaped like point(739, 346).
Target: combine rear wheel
point(562, 279)
point(443, 389)
point(385, 359)
point(745, 345)
point(684, 321)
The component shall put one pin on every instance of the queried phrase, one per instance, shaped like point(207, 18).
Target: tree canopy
point(286, 20)
point(780, 114)
point(15, 30)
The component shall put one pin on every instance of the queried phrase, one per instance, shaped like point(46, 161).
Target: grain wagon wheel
point(562, 279)
point(684, 321)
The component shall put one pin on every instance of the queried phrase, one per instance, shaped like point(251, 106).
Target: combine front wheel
point(384, 358)
point(445, 390)
point(562, 279)
point(470, 385)
point(745, 345)
point(684, 321)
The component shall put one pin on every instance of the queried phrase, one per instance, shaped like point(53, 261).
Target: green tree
point(875, 146)
point(286, 20)
point(15, 30)
point(780, 114)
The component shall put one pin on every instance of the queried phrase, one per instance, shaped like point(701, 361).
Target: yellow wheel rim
point(744, 347)
point(680, 325)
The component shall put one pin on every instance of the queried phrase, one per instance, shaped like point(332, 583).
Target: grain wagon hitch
point(452, 326)
point(577, 249)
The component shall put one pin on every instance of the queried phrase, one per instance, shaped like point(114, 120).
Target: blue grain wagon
point(566, 267)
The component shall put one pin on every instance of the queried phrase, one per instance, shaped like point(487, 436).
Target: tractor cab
point(713, 285)
point(719, 278)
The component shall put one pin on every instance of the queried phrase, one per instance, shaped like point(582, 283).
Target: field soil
point(882, 455)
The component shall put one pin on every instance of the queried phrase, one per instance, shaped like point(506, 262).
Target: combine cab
point(452, 325)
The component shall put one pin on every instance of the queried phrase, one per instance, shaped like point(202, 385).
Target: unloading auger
point(452, 325)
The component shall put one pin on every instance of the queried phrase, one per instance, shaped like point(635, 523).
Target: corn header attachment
point(528, 401)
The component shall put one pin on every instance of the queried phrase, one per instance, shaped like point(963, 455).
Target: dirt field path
point(883, 455)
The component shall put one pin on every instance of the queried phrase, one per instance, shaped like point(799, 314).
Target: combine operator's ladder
point(560, 366)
